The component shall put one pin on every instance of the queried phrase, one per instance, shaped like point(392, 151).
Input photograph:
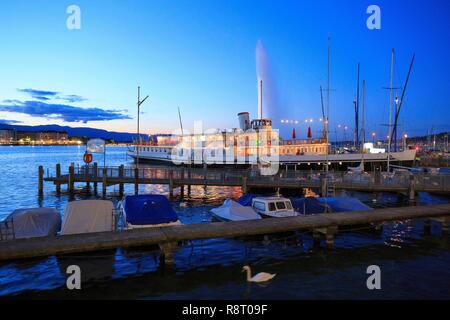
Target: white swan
point(260, 277)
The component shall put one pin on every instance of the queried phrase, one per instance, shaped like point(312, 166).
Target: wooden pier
point(405, 183)
point(168, 237)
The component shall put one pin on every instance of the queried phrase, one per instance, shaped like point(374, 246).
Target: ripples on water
point(413, 265)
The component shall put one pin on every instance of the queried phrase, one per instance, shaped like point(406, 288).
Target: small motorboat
point(148, 210)
point(273, 207)
point(233, 211)
point(86, 216)
point(32, 223)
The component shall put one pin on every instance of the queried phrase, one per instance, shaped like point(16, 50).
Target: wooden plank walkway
point(326, 223)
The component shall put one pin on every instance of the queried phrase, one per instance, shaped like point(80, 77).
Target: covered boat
point(309, 205)
point(344, 204)
point(87, 216)
point(34, 222)
point(233, 211)
point(148, 210)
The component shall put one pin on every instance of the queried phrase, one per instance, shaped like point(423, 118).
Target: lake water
point(413, 265)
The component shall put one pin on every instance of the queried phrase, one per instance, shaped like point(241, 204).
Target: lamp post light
point(139, 102)
point(373, 138)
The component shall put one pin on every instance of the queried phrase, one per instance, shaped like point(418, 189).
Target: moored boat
point(233, 211)
point(32, 222)
point(273, 207)
point(148, 210)
point(86, 216)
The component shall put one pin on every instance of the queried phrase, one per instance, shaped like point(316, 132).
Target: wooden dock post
point(87, 177)
point(121, 170)
point(329, 236)
point(41, 180)
point(104, 182)
point(167, 251)
point(324, 186)
point(71, 177)
point(182, 186)
point(136, 181)
point(244, 185)
point(189, 179)
point(58, 175)
point(171, 184)
point(412, 188)
point(445, 225)
point(95, 169)
point(328, 232)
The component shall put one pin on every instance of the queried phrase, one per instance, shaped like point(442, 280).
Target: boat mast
point(181, 122)
point(363, 132)
point(328, 104)
point(390, 112)
point(323, 112)
point(357, 112)
point(400, 103)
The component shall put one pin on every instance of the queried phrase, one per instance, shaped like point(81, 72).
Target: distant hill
point(78, 132)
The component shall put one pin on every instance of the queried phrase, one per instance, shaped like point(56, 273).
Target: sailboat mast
point(323, 112)
point(328, 104)
point(363, 133)
point(181, 122)
point(357, 112)
point(390, 111)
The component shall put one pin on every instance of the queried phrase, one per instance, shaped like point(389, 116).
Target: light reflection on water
point(413, 265)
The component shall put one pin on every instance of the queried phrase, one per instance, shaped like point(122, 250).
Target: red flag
point(294, 135)
point(309, 133)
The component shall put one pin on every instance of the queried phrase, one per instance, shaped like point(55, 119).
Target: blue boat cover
point(148, 209)
point(344, 204)
point(246, 199)
point(308, 205)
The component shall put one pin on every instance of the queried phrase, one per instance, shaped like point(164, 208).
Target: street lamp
point(373, 138)
point(139, 102)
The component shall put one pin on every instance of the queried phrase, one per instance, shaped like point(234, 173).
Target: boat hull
point(407, 156)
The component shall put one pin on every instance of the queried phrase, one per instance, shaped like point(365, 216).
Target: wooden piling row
point(245, 181)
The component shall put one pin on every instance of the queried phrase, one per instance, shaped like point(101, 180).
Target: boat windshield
point(281, 205)
point(272, 206)
point(288, 205)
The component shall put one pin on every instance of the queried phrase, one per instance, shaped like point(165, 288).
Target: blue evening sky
point(200, 55)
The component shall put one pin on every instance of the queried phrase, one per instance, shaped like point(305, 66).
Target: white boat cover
point(87, 216)
point(35, 222)
point(233, 211)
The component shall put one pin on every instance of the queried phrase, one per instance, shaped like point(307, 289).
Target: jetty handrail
point(222, 176)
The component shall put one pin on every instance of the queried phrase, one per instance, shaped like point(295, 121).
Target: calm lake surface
point(413, 265)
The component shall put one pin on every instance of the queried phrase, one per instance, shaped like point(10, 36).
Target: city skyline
point(203, 57)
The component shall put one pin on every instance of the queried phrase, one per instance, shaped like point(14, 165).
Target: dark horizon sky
point(202, 56)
